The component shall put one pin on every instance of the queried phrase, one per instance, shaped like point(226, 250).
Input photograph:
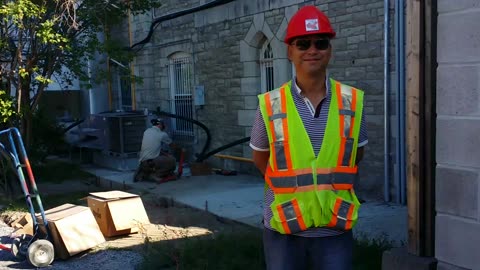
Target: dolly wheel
point(41, 253)
point(20, 246)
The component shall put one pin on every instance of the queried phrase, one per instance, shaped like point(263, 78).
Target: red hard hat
point(308, 20)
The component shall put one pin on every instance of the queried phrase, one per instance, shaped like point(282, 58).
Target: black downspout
point(176, 15)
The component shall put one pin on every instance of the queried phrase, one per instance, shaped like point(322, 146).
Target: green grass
point(367, 254)
point(238, 251)
point(221, 252)
point(53, 171)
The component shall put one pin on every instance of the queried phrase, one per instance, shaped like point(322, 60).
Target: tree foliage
point(39, 37)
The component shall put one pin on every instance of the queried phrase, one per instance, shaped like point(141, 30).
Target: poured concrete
point(240, 198)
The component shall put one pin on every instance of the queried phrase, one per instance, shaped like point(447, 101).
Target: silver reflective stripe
point(280, 156)
point(276, 102)
point(342, 215)
point(277, 116)
point(291, 217)
point(293, 225)
point(347, 112)
point(278, 129)
point(293, 181)
point(335, 178)
point(346, 92)
point(348, 152)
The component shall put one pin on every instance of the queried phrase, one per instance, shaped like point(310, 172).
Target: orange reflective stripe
point(342, 215)
point(318, 171)
point(324, 170)
point(303, 171)
point(334, 187)
point(298, 213)
point(343, 169)
point(338, 91)
point(333, 221)
point(306, 188)
point(348, 225)
point(282, 182)
point(341, 186)
point(283, 173)
point(286, 145)
point(283, 219)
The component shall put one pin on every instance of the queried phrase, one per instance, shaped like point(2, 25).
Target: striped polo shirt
point(314, 121)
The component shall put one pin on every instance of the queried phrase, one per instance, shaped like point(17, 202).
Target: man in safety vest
point(307, 139)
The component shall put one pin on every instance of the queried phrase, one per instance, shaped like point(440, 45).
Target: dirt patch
point(169, 221)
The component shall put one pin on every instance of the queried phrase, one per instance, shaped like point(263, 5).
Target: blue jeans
point(290, 252)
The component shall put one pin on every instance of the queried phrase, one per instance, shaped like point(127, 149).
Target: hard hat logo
point(311, 25)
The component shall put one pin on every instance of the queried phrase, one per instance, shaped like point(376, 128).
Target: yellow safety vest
point(312, 191)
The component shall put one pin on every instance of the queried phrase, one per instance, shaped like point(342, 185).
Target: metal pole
point(403, 182)
point(386, 94)
point(397, 103)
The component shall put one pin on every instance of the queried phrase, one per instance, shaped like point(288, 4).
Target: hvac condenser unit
point(117, 132)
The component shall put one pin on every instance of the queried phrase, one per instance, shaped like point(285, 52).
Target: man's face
point(310, 54)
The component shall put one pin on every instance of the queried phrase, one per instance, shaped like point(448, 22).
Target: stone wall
point(225, 42)
point(458, 123)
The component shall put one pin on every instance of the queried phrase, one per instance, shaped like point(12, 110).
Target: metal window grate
point(126, 92)
point(266, 67)
point(181, 102)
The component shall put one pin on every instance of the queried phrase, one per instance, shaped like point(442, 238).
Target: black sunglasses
point(304, 44)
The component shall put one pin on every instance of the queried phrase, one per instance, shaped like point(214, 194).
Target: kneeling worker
point(156, 164)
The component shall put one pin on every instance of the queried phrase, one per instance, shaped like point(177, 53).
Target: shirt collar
point(299, 91)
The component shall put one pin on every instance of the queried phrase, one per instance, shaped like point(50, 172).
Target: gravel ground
point(102, 260)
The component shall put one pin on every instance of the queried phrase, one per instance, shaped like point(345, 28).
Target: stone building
point(233, 51)
point(211, 64)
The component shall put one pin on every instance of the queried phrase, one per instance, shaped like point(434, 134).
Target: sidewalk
point(240, 198)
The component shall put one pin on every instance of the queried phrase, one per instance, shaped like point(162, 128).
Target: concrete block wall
point(225, 42)
point(458, 122)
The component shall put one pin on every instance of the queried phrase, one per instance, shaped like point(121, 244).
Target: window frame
point(266, 61)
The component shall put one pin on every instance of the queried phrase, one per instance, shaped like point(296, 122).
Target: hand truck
point(37, 248)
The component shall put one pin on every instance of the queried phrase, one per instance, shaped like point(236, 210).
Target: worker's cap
point(157, 121)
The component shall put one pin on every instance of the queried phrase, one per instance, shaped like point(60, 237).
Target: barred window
point(266, 67)
point(181, 95)
point(122, 87)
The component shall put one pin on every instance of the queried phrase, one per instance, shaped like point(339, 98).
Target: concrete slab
point(400, 259)
point(240, 198)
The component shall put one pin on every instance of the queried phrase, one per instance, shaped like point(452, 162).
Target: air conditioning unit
point(116, 132)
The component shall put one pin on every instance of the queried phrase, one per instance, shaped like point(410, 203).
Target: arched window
point(266, 67)
point(181, 94)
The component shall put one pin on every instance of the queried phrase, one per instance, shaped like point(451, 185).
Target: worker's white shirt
point(153, 139)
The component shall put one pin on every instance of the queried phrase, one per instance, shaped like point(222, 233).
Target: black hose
point(176, 15)
point(200, 124)
point(76, 123)
point(201, 158)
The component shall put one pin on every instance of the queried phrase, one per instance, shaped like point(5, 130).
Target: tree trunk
point(27, 114)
